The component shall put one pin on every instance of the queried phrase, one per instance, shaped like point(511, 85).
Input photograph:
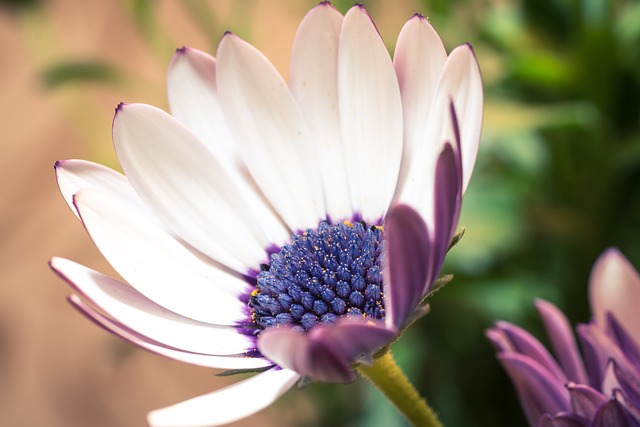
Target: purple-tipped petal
point(186, 187)
point(371, 115)
point(156, 264)
point(614, 287)
point(313, 79)
point(76, 175)
point(418, 59)
point(193, 97)
point(563, 341)
point(585, 400)
point(268, 127)
point(539, 391)
point(526, 344)
point(326, 352)
point(409, 263)
point(129, 307)
point(133, 337)
point(614, 414)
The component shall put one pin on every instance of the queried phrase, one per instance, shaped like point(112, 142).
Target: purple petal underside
point(448, 194)
point(326, 352)
point(409, 263)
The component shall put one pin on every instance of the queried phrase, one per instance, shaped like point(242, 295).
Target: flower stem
point(387, 377)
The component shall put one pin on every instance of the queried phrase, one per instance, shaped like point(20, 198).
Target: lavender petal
point(526, 344)
point(539, 391)
point(563, 341)
point(614, 414)
point(585, 400)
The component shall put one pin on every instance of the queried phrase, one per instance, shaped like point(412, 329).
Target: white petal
point(314, 84)
point(206, 360)
point(192, 93)
point(418, 190)
point(418, 60)
point(157, 265)
point(181, 181)
point(142, 315)
point(75, 175)
point(461, 83)
point(371, 115)
point(229, 404)
point(268, 127)
point(614, 287)
point(193, 97)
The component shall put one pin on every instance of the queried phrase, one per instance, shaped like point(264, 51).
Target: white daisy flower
point(291, 228)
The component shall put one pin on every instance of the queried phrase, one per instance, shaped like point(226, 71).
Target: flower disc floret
point(323, 274)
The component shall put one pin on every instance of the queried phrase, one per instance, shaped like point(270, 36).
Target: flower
point(600, 389)
point(289, 229)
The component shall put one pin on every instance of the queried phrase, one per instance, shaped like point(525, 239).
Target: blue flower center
point(323, 274)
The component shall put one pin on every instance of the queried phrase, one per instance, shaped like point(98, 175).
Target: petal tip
point(359, 9)
point(611, 253)
point(471, 49)
point(325, 4)
point(120, 107)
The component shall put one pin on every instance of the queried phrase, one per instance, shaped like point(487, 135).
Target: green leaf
point(76, 72)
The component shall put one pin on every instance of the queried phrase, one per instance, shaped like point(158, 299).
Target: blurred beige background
point(57, 368)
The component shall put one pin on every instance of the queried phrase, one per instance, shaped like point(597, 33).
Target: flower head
point(292, 228)
point(599, 389)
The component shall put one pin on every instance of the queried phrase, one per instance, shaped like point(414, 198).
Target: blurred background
point(556, 182)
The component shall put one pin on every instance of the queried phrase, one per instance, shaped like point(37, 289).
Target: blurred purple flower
point(291, 229)
point(601, 387)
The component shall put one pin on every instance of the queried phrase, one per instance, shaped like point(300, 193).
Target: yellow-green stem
point(387, 377)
